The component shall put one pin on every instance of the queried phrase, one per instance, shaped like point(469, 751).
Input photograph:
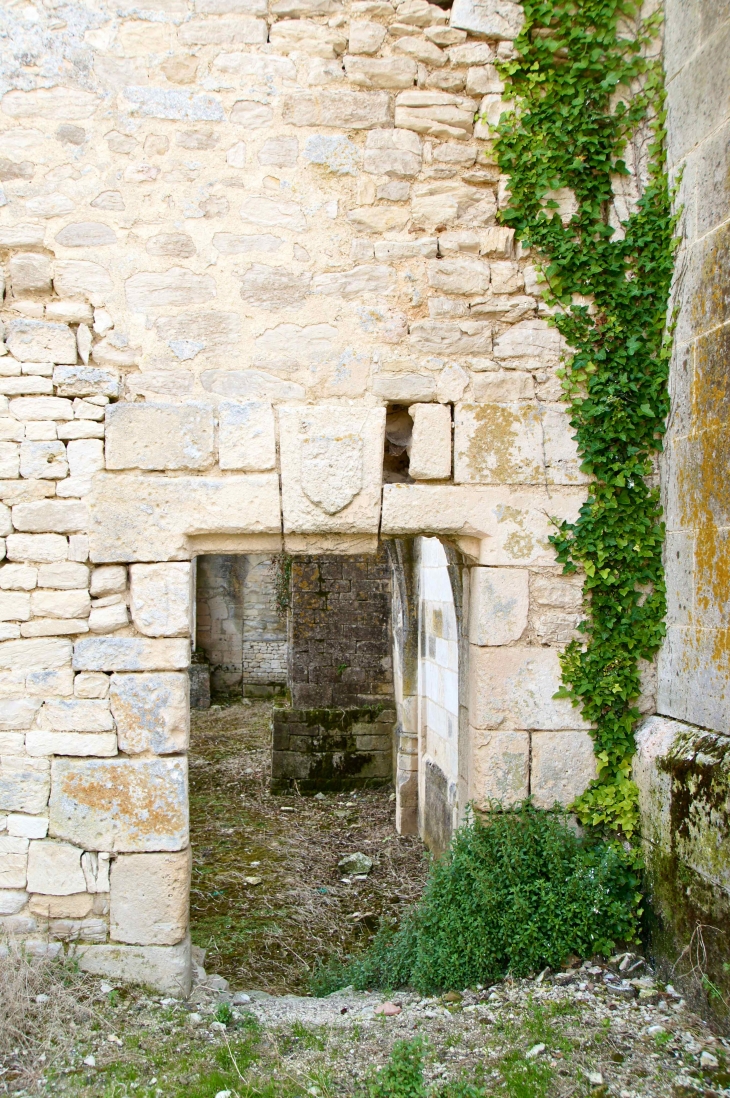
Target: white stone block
point(161, 598)
point(60, 604)
point(148, 292)
point(82, 380)
point(44, 684)
point(30, 273)
point(39, 548)
point(492, 18)
point(107, 619)
point(95, 867)
point(110, 579)
point(54, 869)
point(159, 436)
point(430, 449)
point(82, 278)
point(463, 274)
point(500, 766)
point(436, 114)
point(39, 341)
point(13, 862)
point(246, 436)
point(30, 409)
point(143, 518)
point(365, 37)
point(35, 655)
point(128, 654)
point(27, 827)
point(167, 969)
point(563, 766)
point(529, 345)
point(14, 606)
point(39, 743)
point(77, 715)
point(43, 460)
point(133, 805)
point(17, 577)
point(150, 898)
point(152, 712)
point(393, 73)
point(16, 713)
point(53, 627)
point(9, 460)
point(65, 576)
point(91, 684)
point(65, 516)
point(499, 602)
point(514, 688)
point(331, 463)
point(85, 456)
point(12, 900)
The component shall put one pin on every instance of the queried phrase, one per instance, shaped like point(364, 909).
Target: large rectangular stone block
point(331, 468)
point(500, 766)
point(161, 597)
point(120, 804)
point(430, 451)
point(563, 766)
point(499, 601)
point(159, 436)
point(246, 436)
point(54, 869)
point(130, 654)
point(152, 712)
point(76, 715)
point(150, 898)
point(498, 444)
point(167, 969)
point(38, 742)
point(150, 518)
point(42, 654)
point(24, 783)
point(38, 341)
point(514, 688)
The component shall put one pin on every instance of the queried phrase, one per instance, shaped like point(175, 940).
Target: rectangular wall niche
point(338, 733)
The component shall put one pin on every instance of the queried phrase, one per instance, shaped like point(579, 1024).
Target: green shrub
point(516, 891)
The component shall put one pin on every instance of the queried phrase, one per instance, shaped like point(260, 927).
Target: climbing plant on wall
point(584, 85)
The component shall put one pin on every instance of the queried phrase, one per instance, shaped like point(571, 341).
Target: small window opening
point(398, 435)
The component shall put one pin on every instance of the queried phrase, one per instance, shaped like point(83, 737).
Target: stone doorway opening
point(290, 773)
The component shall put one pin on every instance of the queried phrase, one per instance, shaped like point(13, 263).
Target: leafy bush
point(516, 891)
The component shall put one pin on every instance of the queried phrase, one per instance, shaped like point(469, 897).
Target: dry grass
point(42, 1002)
point(271, 935)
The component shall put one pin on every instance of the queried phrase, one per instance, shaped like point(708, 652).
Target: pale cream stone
point(393, 152)
point(41, 408)
point(499, 602)
point(91, 684)
point(382, 72)
point(507, 278)
point(500, 766)
point(340, 109)
point(77, 715)
point(18, 712)
point(76, 906)
point(307, 37)
point(129, 654)
point(444, 202)
point(471, 337)
point(39, 742)
point(60, 516)
point(531, 344)
point(246, 436)
point(54, 868)
point(39, 548)
point(95, 868)
point(12, 900)
point(107, 619)
point(35, 655)
point(60, 604)
point(379, 219)
point(14, 606)
point(85, 456)
point(9, 459)
point(178, 286)
point(152, 712)
point(167, 969)
point(491, 18)
point(110, 579)
point(53, 627)
point(13, 862)
point(150, 898)
point(66, 575)
point(44, 460)
point(161, 599)
point(134, 805)
point(499, 444)
point(365, 37)
point(39, 341)
point(27, 827)
point(436, 113)
point(563, 766)
point(143, 518)
point(45, 684)
point(331, 464)
point(430, 449)
point(30, 272)
point(159, 436)
point(462, 275)
point(503, 387)
point(515, 688)
point(498, 242)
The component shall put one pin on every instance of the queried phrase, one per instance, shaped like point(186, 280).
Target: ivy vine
point(584, 85)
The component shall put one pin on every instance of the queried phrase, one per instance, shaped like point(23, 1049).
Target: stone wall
point(232, 233)
point(239, 626)
point(682, 766)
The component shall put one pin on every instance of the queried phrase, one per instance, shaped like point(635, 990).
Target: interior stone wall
point(233, 232)
point(683, 765)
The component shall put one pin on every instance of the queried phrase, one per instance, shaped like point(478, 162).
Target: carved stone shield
point(331, 471)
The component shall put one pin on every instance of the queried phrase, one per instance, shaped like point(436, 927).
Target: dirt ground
point(267, 899)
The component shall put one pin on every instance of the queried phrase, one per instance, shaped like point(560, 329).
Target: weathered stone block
point(430, 450)
point(44, 460)
point(381, 72)
point(529, 345)
point(498, 444)
point(331, 464)
point(500, 766)
point(246, 436)
point(152, 712)
point(61, 516)
point(436, 113)
point(14, 605)
point(159, 436)
point(76, 715)
point(27, 827)
point(365, 37)
point(462, 275)
point(30, 273)
point(13, 862)
point(54, 869)
point(35, 655)
point(563, 766)
point(339, 109)
point(499, 601)
point(515, 687)
point(178, 286)
point(39, 341)
point(150, 898)
point(471, 337)
point(143, 518)
point(120, 804)
point(129, 654)
point(76, 906)
point(39, 548)
point(161, 598)
point(39, 742)
point(167, 969)
point(110, 579)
